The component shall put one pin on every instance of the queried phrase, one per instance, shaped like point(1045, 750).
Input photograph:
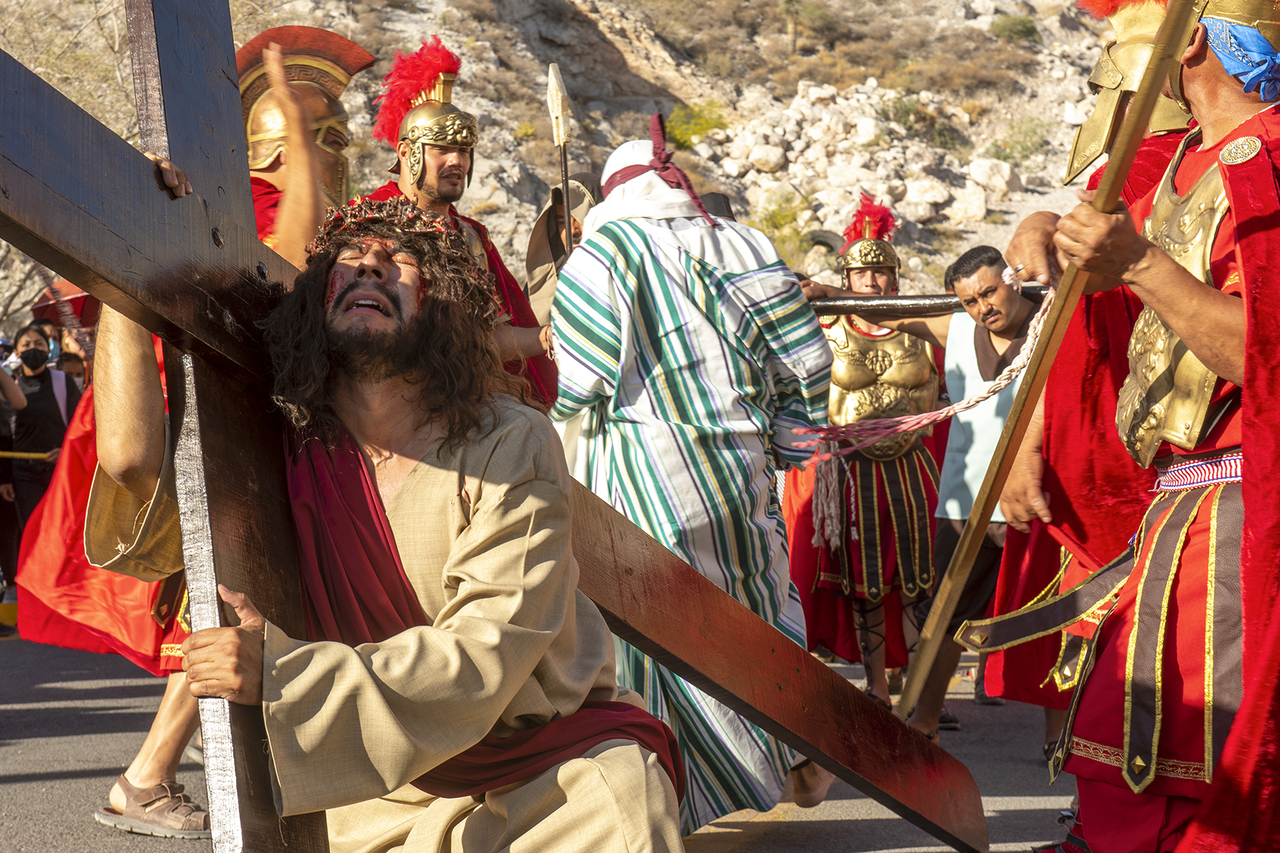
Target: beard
point(376, 356)
point(431, 189)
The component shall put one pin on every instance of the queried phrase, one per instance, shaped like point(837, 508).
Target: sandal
point(163, 811)
point(948, 721)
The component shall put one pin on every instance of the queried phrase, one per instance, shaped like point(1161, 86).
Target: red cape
point(1243, 810)
point(64, 601)
point(266, 205)
point(1098, 492)
point(540, 371)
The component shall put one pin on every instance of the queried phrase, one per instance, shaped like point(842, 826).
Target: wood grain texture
point(187, 92)
point(237, 530)
point(96, 216)
point(658, 603)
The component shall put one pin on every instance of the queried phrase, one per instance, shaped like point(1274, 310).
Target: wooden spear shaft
point(1170, 41)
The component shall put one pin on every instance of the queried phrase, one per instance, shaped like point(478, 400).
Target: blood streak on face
point(383, 266)
point(335, 284)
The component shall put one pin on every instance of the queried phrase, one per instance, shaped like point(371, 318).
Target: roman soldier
point(1099, 493)
point(1184, 640)
point(862, 526)
point(435, 146)
point(295, 140)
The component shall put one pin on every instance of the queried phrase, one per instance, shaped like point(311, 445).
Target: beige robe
point(484, 535)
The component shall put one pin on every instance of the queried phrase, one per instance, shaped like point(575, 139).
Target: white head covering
point(643, 197)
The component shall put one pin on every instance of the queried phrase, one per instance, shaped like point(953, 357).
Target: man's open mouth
point(368, 303)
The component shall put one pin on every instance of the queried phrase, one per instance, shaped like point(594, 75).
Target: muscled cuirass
point(1167, 393)
point(881, 377)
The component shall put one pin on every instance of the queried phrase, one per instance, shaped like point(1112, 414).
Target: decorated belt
point(1196, 473)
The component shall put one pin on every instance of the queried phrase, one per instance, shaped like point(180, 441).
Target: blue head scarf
point(1246, 55)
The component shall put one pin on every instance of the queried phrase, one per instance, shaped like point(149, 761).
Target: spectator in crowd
point(41, 423)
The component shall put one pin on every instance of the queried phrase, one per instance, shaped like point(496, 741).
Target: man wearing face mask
point(40, 426)
point(435, 145)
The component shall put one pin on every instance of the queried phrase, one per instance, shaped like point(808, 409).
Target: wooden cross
point(83, 202)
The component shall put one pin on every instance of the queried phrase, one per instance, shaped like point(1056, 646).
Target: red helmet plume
point(871, 220)
point(1104, 8)
point(410, 76)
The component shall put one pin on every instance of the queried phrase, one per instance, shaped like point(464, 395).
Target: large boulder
point(767, 158)
point(996, 176)
point(865, 130)
point(968, 204)
point(928, 189)
point(916, 211)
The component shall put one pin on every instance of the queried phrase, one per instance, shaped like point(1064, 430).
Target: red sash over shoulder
point(356, 591)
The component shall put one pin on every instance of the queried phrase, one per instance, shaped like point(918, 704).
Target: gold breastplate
point(1167, 392)
point(882, 377)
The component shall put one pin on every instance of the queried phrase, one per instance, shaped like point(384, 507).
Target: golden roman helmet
point(867, 238)
point(318, 64)
point(1118, 72)
point(1262, 15)
point(417, 105)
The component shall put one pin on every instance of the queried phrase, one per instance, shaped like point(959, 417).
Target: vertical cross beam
point(231, 490)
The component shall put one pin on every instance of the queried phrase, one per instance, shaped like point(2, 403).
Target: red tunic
point(1099, 493)
point(1243, 257)
point(539, 370)
point(1242, 812)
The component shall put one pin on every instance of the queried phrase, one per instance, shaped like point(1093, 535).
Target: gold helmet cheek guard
point(1175, 69)
point(267, 133)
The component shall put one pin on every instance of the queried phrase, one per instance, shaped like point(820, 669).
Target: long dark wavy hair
point(447, 352)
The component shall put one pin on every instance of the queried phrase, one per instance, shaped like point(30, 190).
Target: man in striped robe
point(688, 356)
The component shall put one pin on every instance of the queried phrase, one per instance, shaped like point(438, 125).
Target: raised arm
point(301, 204)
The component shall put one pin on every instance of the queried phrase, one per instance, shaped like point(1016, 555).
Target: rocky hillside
point(958, 113)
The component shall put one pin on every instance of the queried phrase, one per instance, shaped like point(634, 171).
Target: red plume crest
point(410, 75)
point(1106, 8)
point(880, 218)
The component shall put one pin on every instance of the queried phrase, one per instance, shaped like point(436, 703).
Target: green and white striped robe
point(687, 356)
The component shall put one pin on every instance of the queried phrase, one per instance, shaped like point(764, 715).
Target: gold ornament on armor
point(880, 377)
point(1167, 393)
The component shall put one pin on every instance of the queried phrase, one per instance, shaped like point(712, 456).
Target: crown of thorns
point(346, 224)
point(343, 224)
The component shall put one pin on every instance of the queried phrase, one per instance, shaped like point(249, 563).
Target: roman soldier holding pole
point(1183, 615)
point(860, 526)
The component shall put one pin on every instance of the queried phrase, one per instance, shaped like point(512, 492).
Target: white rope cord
point(863, 433)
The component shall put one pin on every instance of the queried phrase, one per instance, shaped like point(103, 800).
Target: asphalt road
point(70, 721)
